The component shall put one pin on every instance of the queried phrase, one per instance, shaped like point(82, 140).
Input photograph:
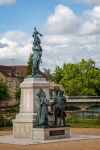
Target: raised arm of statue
point(36, 33)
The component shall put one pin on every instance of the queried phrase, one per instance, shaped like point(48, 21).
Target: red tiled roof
point(22, 70)
point(7, 71)
point(14, 71)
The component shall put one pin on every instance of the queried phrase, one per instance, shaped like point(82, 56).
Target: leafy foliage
point(18, 94)
point(29, 67)
point(4, 92)
point(81, 79)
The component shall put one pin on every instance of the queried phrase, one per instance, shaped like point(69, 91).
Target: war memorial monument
point(33, 120)
point(36, 123)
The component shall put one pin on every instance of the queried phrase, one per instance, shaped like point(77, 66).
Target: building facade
point(12, 77)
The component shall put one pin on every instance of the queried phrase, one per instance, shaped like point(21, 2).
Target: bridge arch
point(72, 107)
point(93, 106)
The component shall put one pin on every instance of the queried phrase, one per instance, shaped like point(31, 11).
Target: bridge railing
point(83, 97)
point(88, 114)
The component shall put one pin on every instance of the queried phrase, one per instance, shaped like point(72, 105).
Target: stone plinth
point(23, 124)
point(51, 133)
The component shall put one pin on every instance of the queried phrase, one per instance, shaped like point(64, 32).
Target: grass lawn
point(87, 123)
point(81, 123)
point(6, 128)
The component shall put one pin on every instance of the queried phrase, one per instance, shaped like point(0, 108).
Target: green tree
point(4, 92)
point(88, 77)
point(57, 75)
point(29, 67)
point(18, 94)
point(81, 79)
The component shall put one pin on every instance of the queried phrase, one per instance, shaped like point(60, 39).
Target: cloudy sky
point(71, 30)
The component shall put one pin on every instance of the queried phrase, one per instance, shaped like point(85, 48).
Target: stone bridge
point(83, 104)
point(74, 101)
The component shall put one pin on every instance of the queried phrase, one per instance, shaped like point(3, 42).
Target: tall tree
point(78, 79)
point(29, 67)
point(57, 75)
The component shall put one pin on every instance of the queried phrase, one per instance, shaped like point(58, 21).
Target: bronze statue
point(36, 38)
point(60, 102)
point(37, 54)
point(42, 114)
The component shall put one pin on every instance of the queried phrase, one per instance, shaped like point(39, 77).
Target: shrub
point(71, 117)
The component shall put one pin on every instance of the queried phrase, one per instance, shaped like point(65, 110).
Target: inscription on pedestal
point(55, 133)
point(51, 133)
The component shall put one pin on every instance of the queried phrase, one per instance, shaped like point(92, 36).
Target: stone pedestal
point(23, 124)
point(51, 133)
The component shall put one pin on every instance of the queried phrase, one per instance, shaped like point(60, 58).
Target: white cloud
point(68, 39)
point(72, 38)
point(71, 48)
point(2, 45)
point(92, 23)
point(94, 13)
point(94, 2)
point(2, 2)
point(62, 20)
point(15, 45)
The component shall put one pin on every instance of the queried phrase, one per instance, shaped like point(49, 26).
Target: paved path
point(82, 144)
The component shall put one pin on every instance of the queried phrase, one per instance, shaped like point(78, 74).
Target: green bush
point(1, 120)
point(6, 119)
point(10, 110)
point(71, 118)
point(98, 118)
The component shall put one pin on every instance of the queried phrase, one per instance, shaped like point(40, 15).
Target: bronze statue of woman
point(42, 114)
point(37, 54)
